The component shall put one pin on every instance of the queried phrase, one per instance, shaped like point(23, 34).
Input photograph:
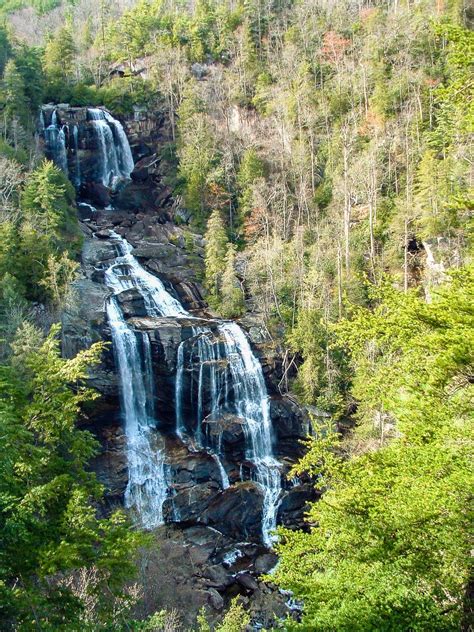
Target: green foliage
point(48, 523)
point(59, 61)
point(236, 619)
point(390, 549)
point(323, 375)
point(216, 250)
point(250, 169)
point(198, 159)
point(37, 237)
point(28, 62)
point(231, 295)
point(15, 99)
point(48, 201)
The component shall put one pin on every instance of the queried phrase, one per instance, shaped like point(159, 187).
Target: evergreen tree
point(250, 169)
point(15, 99)
point(5, 47)
point(48, 522)
point(48, 200)
point(28, 61)
point(216, 248)
point(391, 547)
point(232, 298)
point(59, 61)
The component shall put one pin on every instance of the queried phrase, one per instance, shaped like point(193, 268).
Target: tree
point(48, 521)
point(16, 103)
point(231, 294)
point(216, 249)
point(251, 168)
point(48, 200)
point(59, 60)
point(388, 546)
point(28, 61)
point(11, 179)
point(5, 47)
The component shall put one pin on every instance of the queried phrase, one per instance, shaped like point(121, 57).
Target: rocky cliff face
point(142, 211)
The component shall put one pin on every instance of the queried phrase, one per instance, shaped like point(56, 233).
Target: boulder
point(97, 193)
point(265, 563)
point(291, 425)
point(237, 511)
point(218, 577)
point(132, 304)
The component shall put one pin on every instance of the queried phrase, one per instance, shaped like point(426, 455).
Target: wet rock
point(189, 502)
point(264, 563)
point(247, 582)
point(97, 193)
point(294, 504)
point(85, 212)
point(291, 425)
point(131, 303)
point(236, 511)
point(84, 318)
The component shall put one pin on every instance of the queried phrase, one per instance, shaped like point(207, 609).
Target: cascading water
point(55, 142)
point(147, 488)
point(251, 403)
point(115, 161)
point(226, 365)
point(115, 156)
point(77, 161)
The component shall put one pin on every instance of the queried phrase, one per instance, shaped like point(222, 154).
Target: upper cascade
point(115, 157)
point(90, 148)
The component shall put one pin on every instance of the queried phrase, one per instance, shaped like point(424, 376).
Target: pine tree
point(250, 169)
point(28, 61)
point(232, 298)
point(5, 47)
point(48, 198)
point(48, 522)
point(60, 55)
point(216, 247)
point(16, 103)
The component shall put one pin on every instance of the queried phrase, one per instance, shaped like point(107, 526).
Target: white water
point(115, 156)
point(227, 364)
point(77, 174)
point(252, 404)
point(55, 142)
point(146, 489)
point(126, 273)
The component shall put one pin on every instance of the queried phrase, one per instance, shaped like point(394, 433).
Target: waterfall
point(115, 156)
point(55, 142)
point(226, 365)
point(252, 404)
point(147, 488)
point(126, 273)
point(77, 173)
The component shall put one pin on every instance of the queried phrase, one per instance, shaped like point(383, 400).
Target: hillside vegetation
point(325, 149)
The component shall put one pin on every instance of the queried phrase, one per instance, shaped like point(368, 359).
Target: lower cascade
point(230, 382)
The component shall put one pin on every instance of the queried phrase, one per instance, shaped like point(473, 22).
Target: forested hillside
point(324, 150)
